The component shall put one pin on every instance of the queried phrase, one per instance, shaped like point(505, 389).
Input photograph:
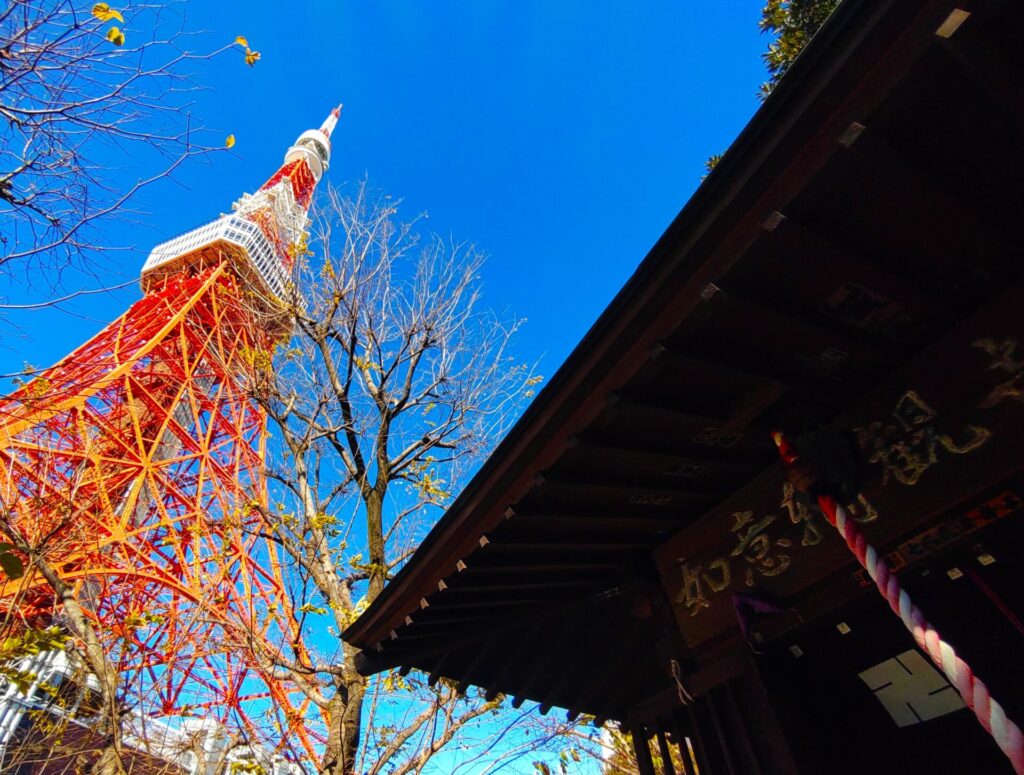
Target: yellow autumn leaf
point(241, 41)
point(105, 13)
point(230, 142)
point(115, 36)
point(251, 57)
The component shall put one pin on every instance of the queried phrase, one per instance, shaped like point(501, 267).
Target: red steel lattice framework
point(134, 467)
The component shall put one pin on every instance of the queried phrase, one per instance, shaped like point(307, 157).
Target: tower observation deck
point(132, 477)
point(262, 235)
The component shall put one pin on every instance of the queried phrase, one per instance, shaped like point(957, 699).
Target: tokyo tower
point(133, 468)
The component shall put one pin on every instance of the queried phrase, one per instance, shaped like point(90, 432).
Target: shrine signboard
point(942, 429)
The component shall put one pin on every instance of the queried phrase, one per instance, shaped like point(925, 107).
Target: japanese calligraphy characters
point(716, 578)
point(1003, 358)
point(763, 548)
point(757, 548)
point(910, 446)
point(802, 511)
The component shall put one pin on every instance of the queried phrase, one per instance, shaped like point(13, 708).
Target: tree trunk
point(375, 542)
point(345, 711)
point(108, 763)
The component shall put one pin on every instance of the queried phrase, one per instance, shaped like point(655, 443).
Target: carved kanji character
point(756, 546)
point(723, 569)
point(910, 448)
point(1003, 355)
point(691, 591)
point(800, 512)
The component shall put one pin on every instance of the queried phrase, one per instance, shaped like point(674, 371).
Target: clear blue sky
point(561, 137)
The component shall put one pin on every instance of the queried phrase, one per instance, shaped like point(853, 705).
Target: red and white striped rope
point(971, 688)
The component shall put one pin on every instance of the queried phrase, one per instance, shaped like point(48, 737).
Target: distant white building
point(51, 684)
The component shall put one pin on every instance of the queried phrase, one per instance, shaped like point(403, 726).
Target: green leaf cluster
point(793, 23)
point(27, 644)
point(11, 563)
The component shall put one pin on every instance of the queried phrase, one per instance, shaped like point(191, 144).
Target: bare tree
point(396, 385)
point(86, 90)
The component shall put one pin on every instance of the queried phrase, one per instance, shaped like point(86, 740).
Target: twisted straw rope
point(971, 688)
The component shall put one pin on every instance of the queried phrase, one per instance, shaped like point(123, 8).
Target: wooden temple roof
point(848, 259)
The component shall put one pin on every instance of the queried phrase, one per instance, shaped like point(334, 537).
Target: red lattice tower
point(134, 467)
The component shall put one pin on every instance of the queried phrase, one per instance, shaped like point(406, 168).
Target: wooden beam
point(532, 576)
point(856, 264)
point(612, 672)
point(418, 648)
point(812, 362)
point(687, 362)
point(755, 391)
point(432, 617)
point(751, 405)
point(439, 606)
point(568, 547)
point(554, 643)
point(613, 669)
point(524, 554)
point(666, 460)
point(889, 164)
point(990, 73)
point(860, 344)
point(435, 623)
point(625, 683)
point(412, 647)
point(539, 567)
point(498, 590)
point(435, 674)
point(465, 676)
point(630, 402)
point(636, 491)
point(525, 584)
point(495, 685)
point(717, 672)
point(586, 519)
point(658, 703)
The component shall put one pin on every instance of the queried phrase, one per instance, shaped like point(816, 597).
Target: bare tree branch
point(77, 105)
point(396, 385)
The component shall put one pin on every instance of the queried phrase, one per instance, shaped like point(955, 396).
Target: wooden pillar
point(681, 732)
point(642, 749)
point(740, 733)
point(703, 760)
point(666, 754)
point(720, 733)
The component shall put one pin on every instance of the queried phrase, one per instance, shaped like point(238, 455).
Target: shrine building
point(845, 288)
